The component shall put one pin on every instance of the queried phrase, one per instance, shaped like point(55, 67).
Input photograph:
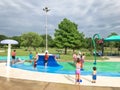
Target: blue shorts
point(45, 61)
point(94, 77)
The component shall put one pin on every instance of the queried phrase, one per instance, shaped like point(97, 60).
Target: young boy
point(46, 57)
point(13, 56)
point(94, 75)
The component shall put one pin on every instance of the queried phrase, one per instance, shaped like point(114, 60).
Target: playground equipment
point(94, 44)
point(51, 61)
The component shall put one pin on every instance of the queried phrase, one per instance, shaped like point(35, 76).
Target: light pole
point(46, 9)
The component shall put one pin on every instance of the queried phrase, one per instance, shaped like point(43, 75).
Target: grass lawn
point(63, 57)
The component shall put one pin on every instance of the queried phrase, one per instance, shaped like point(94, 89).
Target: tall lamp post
point(46, 9)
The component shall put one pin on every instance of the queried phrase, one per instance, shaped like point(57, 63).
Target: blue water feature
point(55, 67)
point(60, 70)
point(51, 61)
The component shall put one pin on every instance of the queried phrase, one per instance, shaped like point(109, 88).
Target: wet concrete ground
point(21, 84)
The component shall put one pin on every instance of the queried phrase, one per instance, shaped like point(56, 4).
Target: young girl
point(94, 75)
point(77, 72)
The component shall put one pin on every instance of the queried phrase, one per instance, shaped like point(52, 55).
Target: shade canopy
point(8, 41)
point(113, 38)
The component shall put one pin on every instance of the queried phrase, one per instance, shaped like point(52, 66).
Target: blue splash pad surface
point(60, 70)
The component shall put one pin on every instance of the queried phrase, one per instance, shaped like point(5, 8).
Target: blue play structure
point(51, 61)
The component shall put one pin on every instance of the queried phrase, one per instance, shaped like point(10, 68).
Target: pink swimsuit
point(77, 69)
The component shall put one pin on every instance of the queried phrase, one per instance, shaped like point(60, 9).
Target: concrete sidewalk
point(15, 73)
point(19, 84)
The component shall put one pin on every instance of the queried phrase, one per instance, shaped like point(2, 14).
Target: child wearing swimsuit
point(77, 72)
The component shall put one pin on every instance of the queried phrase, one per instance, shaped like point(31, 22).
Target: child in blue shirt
point(94, 76)
point(30, 56)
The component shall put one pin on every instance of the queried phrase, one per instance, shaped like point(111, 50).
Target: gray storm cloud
point(92, 16)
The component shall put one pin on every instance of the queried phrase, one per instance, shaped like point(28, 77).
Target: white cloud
point(93, 16)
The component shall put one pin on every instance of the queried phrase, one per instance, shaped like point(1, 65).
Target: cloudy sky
point(92, 16)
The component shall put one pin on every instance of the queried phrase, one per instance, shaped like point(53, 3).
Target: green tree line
point(66, 36)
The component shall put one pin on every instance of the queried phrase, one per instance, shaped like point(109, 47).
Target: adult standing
point(13, 56)
point(46, 59)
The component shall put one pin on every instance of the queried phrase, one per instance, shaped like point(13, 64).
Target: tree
point(112, 34)
point(2, 37)
point(68, 36)
point(50, 41)
point(112, 43)
point(31, 39)
point(88, 44)
point(17, 38)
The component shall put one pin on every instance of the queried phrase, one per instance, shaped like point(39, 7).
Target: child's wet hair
point(78, 60)
point(94, 68)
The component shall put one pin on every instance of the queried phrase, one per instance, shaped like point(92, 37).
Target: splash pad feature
point(94, 44)
point(51, 61)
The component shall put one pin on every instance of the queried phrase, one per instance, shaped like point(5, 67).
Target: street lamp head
point(46, 9)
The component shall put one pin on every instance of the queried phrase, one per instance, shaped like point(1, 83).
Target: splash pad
point(104, 68)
